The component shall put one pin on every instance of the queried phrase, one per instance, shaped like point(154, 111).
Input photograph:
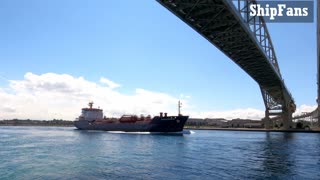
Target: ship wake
point(152, 133)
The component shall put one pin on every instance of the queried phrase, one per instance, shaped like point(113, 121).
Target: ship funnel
point(165, 114)
point(161, 114)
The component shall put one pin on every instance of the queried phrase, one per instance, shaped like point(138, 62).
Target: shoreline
point(255, 130)
point(186, 128)
point(39, 125)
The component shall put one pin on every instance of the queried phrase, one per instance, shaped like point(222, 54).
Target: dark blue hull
point(157, 124)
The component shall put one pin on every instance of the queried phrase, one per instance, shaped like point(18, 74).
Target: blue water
point(65, 153)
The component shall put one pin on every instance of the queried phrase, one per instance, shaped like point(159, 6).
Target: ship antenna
point(179, 108)
point(90, 104)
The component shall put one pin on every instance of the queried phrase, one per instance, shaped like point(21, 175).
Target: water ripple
point(64, 153)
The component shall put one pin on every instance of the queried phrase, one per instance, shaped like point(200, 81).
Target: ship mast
point(179, 108)
point(90, 104)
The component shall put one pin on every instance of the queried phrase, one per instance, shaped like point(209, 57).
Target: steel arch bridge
point(245, 40)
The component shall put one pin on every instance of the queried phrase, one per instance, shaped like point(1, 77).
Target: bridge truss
point(244, 39)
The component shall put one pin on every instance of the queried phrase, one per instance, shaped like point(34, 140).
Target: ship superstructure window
point(92, 114)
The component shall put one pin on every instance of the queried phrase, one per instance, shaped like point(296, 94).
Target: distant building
point(218, 122)
point(195, 122)
point(244, 123)
point(223, 123)
point(253, 125)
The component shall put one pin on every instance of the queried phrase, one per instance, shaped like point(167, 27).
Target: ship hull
point(157, 124)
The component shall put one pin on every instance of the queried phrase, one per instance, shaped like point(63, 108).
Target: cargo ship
point(93, 119)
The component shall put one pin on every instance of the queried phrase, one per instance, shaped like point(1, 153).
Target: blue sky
point(140, 44)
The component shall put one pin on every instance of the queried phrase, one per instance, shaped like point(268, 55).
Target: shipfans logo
point(282, 11)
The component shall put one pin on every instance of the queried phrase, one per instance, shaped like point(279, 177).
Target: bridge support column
point(267, 121)
point(318, 112)
point(286, 119)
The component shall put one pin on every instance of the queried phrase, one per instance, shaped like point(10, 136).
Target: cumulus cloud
point(61, 96)
point(305, 108)
point(49, 82)
point(7, 109)
point(182, 96)
point(246, 113)
point(110, 83)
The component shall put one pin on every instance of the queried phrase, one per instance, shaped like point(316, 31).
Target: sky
point(133, 57)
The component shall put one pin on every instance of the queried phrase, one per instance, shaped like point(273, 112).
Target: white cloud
point(248, 113)
point(182, 96)
point(305, 108)
point(62, 96)
point(51, 95)
point(110, 83)
point(7, 109)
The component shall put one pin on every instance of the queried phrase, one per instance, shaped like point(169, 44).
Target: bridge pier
point(266, 120)
point(286, 119)
point(283, 116)
point(318, 116)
